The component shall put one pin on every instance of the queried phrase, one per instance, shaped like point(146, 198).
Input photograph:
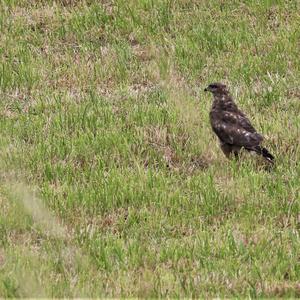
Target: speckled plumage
point(231, 125)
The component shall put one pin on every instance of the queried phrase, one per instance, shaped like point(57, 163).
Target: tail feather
point(265, 153)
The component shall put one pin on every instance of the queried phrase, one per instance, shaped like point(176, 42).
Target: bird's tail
point(265, 153)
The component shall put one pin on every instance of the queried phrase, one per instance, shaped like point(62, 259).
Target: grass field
point(112, 183)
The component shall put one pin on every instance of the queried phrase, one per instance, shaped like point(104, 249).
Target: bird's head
point(217, 88)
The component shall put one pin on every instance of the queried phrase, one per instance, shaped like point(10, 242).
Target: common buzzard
point(231, 125)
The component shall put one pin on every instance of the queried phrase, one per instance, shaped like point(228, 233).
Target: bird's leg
point(230, 151)
point(227, 149)
point(236, 155)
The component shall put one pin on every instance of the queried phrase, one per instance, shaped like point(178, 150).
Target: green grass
point(113, 184)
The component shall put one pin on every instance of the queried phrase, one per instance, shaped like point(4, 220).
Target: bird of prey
point(231, 125)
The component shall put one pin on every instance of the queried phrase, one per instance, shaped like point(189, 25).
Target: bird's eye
point(213, 86)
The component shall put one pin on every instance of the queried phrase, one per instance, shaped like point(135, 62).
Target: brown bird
point(231, 125)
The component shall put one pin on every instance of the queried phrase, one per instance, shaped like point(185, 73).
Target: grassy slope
point(112, 182)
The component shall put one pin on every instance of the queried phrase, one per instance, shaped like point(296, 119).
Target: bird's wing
point(235, 134)
point(237, 119)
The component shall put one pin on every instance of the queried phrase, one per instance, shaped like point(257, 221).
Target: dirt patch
point(280, 289)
